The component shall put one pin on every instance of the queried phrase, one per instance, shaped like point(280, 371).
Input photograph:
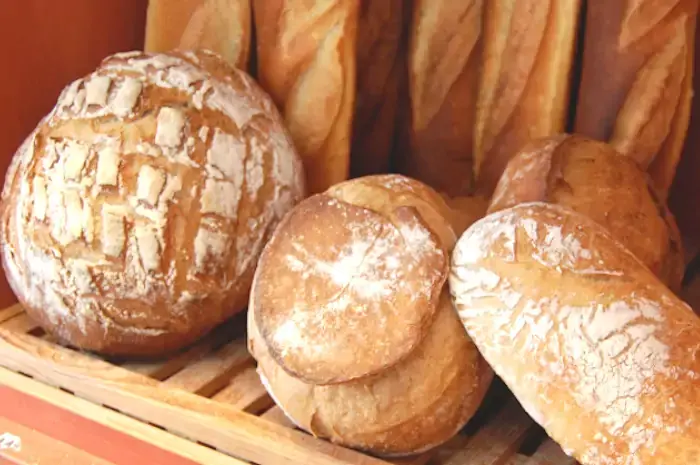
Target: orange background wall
point(45, 45)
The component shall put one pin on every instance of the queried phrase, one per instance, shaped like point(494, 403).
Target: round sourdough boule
point(134, 214)
point(593, 179)
point(351, 324)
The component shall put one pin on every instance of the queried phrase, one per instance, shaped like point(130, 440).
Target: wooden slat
point(162, 369)
point(498, 440)
point(245, 392)
point(115, 420)
point(277, 416)
point(21, 323)
point(38, 448)
point(549, 453)
point(447, 450)
point(9, 312)
point(218, 425)
point(519, 460)
point(213, 371)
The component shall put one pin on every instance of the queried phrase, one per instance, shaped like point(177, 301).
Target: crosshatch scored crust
point(135, 212)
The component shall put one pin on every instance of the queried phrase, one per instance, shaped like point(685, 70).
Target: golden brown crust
point(134, 214)
point(307, 62)
point(599, 338)
point(221, 26)
point(636, 83)
point(346, 319)
point(443, 60)
point(524, 87)
point(351, 324)
point(380, 56)
point(593, 179)
point(411, 407)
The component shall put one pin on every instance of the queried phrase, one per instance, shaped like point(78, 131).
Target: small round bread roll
point(134, 215)
point(351, 323)
point(593, 179)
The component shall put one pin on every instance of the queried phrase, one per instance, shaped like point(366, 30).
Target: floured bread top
point(598, 337)
point(348, 286)
point(151, 186)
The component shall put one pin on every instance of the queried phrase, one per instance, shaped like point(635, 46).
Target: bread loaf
point(444, 56)
point(307, 61)
point(380, 61)
point(524, 88)
point(351, 323)
point(221, 26)
point(134, 215)
point(636, 83)
point(606, 354)
point(591, 178)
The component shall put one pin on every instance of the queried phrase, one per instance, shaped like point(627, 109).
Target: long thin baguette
point(596, 349)
point(307, 61)
point(524, 91)
point(443, 60)
point(636, 84)
point(222, 26)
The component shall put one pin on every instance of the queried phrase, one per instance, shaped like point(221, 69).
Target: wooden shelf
point(207, 404)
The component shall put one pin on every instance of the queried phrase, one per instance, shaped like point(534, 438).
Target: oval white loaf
point(134, 215)
point(607, 356)
point(351, 323)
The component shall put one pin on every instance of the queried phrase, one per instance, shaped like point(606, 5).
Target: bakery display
point(636, 80)
point(134, 214)
point(590, 177)
point(220, 26)
point(599, 338)
point(351, 323)
point(168, 190)
point(307, 54)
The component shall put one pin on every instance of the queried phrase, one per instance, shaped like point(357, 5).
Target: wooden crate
point(210, 394)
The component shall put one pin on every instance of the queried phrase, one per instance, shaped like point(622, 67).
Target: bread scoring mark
point(74, 154)
point(220, 198)
point(148, 243)
point(113, 236)
point(209, 250)
point(171, 122)
point(126, 97)
point(646, 116)
point(150, 184)
point(96, 90)
point(225, 155)
point(39, 198)
point(640, 17)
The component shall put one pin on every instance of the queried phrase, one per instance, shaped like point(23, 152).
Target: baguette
point(524, 89)
point(606, 354)
point(379, 68)
point(443, 62)
point(307, 62)
point(636, 84)
point(221, 26)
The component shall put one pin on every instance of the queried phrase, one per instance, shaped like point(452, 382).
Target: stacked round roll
point(351, 323)
point(134, 215)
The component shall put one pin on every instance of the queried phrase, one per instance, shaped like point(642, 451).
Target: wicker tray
point(210, 394)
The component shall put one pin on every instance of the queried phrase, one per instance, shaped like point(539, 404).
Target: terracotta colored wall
point(45, 45)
